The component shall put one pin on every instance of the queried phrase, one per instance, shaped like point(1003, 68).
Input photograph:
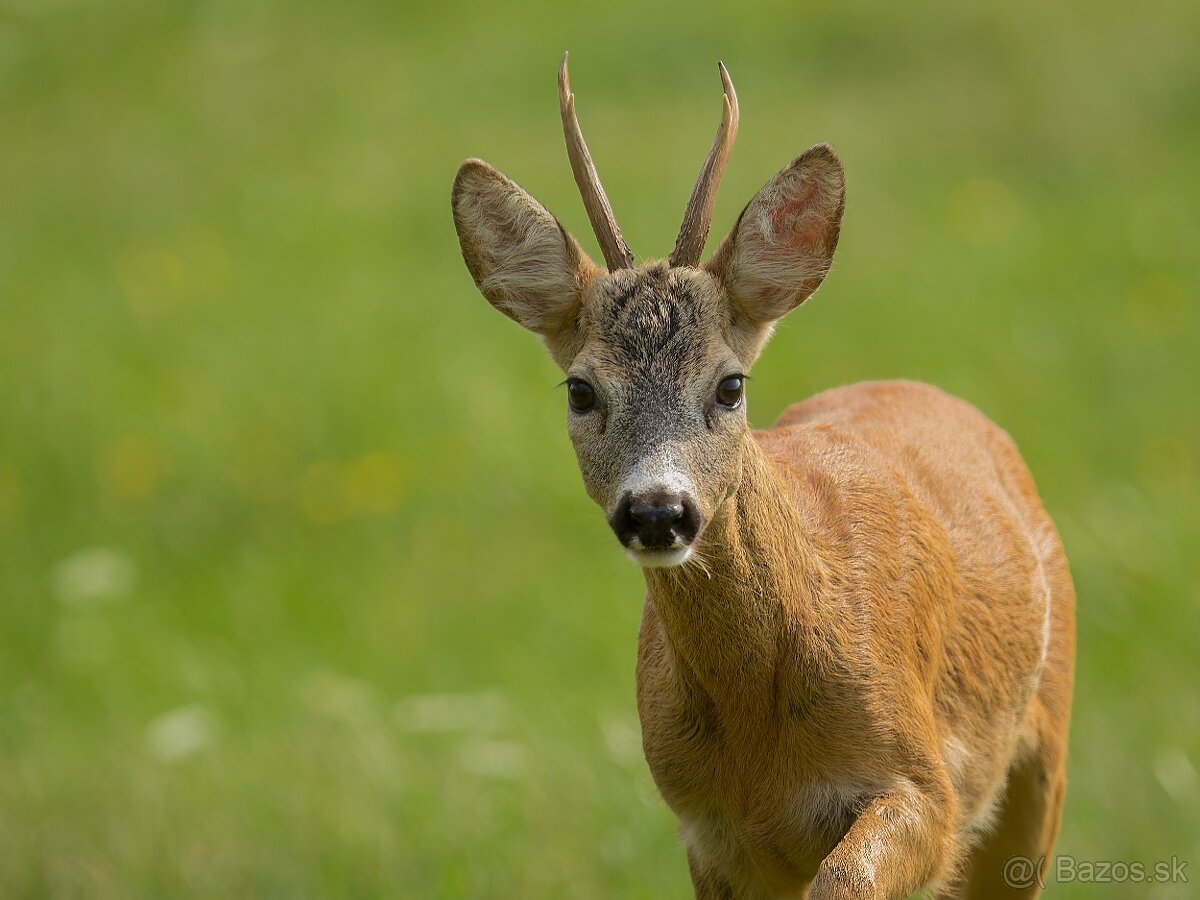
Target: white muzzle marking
point(659, 559)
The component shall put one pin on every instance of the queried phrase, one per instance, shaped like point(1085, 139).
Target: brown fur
point(844, 700)
point(858, 682)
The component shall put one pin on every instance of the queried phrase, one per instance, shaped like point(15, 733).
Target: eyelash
point(741, 377)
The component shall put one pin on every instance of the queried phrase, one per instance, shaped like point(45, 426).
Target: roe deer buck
point(855, 660)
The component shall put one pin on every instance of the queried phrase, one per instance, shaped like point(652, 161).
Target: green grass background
point(300, 595)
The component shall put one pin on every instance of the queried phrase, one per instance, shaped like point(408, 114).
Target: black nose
point(663, 514)
point(657, 520)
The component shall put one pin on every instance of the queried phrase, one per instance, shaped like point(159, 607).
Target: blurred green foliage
point(299, 592)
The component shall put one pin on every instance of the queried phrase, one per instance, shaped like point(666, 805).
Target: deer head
point(656, 356)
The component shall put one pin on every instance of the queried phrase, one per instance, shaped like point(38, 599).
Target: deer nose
point(657, 515)
point(657, 520)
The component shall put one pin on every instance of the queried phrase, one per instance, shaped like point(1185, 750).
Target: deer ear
point(523, 261)
point(782, 245)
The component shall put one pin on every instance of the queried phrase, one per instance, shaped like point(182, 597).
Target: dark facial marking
point(648, 326)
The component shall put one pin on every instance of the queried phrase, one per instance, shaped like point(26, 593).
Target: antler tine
point(697, 219)
point(616, 252)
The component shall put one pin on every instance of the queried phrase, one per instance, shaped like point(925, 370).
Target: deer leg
point(707, 884)
point(898, 844)
point(1014, 860)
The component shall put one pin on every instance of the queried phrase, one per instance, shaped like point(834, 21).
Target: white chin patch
point(660, 559)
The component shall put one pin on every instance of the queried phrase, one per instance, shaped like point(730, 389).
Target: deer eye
point(580, 395)
point(729, 391)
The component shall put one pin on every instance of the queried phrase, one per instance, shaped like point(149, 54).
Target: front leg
point(900, 843)
point(707, 884)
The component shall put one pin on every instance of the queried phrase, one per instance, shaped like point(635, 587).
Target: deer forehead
point(653, 324)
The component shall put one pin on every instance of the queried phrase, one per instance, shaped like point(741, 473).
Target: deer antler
point(698, 217)
point(616, 252)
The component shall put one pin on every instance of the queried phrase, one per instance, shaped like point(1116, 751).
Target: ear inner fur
point(522, 259)
point(781, 247)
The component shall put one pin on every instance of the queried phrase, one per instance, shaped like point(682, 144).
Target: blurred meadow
point(300, 595)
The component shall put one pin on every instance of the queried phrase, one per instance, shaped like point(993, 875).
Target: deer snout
point(656, 516)
point(657, 520)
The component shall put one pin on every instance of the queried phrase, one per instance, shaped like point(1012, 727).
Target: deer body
point(856, 651)
point(883, 631)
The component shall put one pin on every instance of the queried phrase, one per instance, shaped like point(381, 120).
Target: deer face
point(656, 356)
point(656, 405)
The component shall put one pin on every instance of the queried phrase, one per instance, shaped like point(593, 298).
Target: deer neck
point(730, 613)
